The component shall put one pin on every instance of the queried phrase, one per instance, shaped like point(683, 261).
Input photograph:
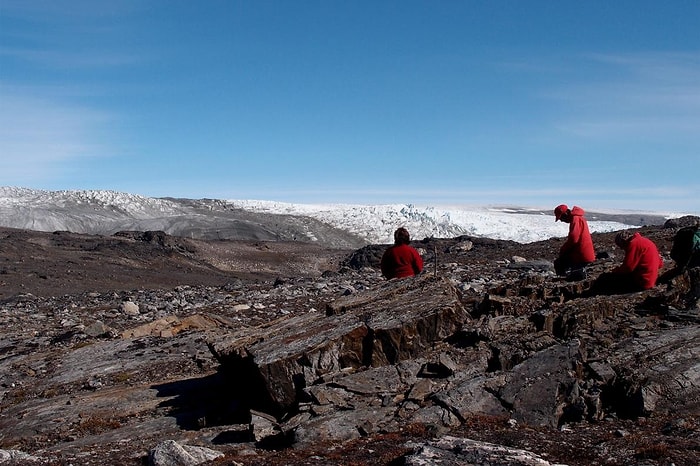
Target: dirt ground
point(53, 264)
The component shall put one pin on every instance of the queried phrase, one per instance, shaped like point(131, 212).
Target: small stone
point(129, 308)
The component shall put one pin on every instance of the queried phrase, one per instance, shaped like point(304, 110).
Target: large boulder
point(402, 319)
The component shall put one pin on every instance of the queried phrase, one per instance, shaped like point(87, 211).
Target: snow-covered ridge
point(129, 204)
point(105, 212)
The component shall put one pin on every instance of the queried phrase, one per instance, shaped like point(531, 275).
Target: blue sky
point(530, 103)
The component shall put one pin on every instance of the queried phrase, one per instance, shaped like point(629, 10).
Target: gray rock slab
point(436, 416)
point(73, 415)
point(323, 395)
point(665, 365)
point(96, 393)
point(375, 381)
point(361, 421)
point(534, 387)
point(456, 451)
point(171, 453)
point(105, 358)
point(472, 396)
point(16, 457)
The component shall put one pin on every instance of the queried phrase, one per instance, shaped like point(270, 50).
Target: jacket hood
point(576, 210)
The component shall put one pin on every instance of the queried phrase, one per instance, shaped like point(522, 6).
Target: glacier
point(339, 225)
point(377, 223)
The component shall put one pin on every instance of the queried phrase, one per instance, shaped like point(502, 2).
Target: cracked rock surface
point(129, 348)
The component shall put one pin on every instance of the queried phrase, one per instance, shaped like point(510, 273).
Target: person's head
point(623, 238)
point(562, 212)
point(401, 236)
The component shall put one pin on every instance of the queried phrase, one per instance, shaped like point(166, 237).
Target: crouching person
point(639, 269)
point(577, 251)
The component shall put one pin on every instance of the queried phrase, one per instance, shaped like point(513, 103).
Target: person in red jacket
point(577, 251)
point(639, 269)
point(401, 260)
point(642, 260)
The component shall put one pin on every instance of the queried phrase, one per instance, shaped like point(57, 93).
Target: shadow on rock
point(204, 402)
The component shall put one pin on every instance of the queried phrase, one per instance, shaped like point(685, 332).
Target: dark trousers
point(614, 283)
point(563, 265)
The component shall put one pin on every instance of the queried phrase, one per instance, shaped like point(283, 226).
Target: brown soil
point(53, 264)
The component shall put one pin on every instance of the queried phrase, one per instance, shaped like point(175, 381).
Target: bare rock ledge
point(370, 329)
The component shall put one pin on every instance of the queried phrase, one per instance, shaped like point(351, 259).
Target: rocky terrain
point(145, 348)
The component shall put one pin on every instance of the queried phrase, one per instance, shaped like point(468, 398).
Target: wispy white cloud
point(46, 127)
point(655, 95)
point(39, 134)
point(681, 67)
point(626, 127)
point(69, 60)
point(80, 10)
point(84, 34)
point(656, 191)
point(663, 198)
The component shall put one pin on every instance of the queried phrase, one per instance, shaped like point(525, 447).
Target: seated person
point(401, 260)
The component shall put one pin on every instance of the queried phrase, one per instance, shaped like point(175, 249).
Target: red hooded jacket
point(578, 247)
point(642, 260)
point(401, 260)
